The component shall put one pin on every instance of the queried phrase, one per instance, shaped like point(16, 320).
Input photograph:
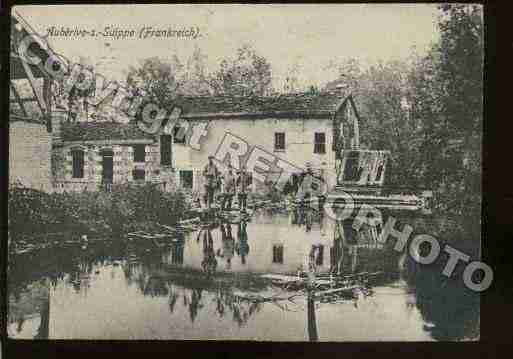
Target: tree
point(156, 79)
point(348, 73)
point(292, 79)
point(453, 111)
point(383, 95)
point(249, 74)
point(195, 80)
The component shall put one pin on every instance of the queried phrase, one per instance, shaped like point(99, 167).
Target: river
point(193, 287)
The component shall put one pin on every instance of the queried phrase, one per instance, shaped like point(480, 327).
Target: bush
point(32, 211)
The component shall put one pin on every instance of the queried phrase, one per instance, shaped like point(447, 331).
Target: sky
point(306, 35)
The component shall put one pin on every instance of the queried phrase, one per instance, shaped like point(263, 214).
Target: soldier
point(211, 174)
point(243, 182)
point(228, 189)
point(306, 183)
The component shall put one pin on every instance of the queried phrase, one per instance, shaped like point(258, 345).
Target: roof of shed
point(301, 104)
point(98, 131)
point(212, 107)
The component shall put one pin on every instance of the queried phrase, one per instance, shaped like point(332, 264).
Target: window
point(139, 153)
point(319, 142)
point(177, 136)
point(165, 150)
point(352, 169)
point(78, 163)
point(186, 179)
point(139, 174)
point(279, 141)
point(278, 254)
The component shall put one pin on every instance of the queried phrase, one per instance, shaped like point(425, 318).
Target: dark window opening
point(78, 163)
point(107, 165)
point(352, 170)
point(165, 150)
point(279, 141)
point(186, 179)
point(179, 134)
point(139, 153)
point(319, 142)
point(139, 174)
point(380, 172)
point(278, 254)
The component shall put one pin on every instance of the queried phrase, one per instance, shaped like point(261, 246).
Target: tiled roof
point(97, 131)
point(291, 104)
point(212, 107)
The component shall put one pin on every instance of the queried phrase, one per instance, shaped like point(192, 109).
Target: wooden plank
point(32, 82)
point(336, 290)
point(18, 99)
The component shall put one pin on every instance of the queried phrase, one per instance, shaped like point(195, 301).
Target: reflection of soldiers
point(337, 256)
point(209, 263)
point(228, 244)
point(242, 246)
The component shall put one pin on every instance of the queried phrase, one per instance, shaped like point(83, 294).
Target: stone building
point(95, 155)
point(289, 128)
point(30, 146)
point(30, 132)
point(295, 129)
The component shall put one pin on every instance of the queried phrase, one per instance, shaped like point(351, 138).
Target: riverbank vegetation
point(125, 208)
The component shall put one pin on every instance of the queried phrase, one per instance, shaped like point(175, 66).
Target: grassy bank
point(125, 208)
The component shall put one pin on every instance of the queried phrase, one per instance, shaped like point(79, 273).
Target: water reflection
point(212, 284)
point(209, 262)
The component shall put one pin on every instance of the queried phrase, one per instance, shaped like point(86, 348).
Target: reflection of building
point(29, 314)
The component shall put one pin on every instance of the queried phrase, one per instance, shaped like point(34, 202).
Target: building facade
point(292, 129)
point(30, 146)
point(96, 155)
point(30, 132)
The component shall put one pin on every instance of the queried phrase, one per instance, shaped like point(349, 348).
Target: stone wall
point(29, 155)
point(299, 143)
point(123, 166)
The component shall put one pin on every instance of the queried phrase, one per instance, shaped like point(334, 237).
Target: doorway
point(107, 166)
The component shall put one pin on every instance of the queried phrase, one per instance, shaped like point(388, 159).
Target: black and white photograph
point(244, 172)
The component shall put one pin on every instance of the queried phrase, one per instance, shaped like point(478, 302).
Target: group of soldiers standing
point(230, 184)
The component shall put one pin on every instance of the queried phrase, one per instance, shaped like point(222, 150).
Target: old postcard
point(246, 172)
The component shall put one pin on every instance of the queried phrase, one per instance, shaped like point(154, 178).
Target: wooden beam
point(18, 99)
point(110, 142)
point(26, 99)
point(32, 82)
